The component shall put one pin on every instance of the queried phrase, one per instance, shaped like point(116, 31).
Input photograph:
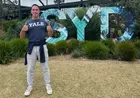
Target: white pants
point(31, 61)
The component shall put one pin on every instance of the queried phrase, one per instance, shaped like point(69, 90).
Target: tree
point(10, 9)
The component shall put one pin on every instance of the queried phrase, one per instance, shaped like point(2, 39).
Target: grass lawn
point(74, 78)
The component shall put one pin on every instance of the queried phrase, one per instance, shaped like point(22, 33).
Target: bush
point(77, 53)
point(96, 50)
point(111, 46)
point(72, 44)
point(137, 46)
point(19, 47)
point(82, 44)
point(109, 43)
point(8, 35)
point(5, 50)
point(11, 29)
point(61, 47)
point(126, 51)
point(9, 24)
point(51, 49)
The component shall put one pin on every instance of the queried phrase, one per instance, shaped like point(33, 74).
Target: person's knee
point(46, 69)
point(30, 70)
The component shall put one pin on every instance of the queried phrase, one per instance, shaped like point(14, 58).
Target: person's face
point(35, 12)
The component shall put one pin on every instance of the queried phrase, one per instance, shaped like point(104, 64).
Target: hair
point(35, 5)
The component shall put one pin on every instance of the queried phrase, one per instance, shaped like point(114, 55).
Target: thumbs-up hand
point(25, 28)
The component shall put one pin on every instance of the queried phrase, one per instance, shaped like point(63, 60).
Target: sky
point(30, 2)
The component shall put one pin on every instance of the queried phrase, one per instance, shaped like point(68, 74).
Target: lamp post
point(1, 11)
point(19, 7)
point(1, 16)
point(46, 2)
point(58, 2)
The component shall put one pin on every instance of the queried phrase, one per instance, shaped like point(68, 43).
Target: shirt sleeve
point(47, 22)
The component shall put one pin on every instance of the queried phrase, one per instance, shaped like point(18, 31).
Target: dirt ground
point(74, 78)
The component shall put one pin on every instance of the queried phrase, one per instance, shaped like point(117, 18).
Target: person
point(35, 29)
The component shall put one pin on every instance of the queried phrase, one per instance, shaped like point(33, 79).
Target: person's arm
point(23, 30)
point(50, 30)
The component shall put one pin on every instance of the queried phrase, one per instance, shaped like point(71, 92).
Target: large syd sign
point(81, 24)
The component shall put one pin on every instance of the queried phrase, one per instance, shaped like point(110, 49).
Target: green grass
point(74, 78)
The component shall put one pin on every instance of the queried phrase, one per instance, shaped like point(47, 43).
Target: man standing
point(36, 29)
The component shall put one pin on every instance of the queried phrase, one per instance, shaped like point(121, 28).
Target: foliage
point(11, 29)
point(72, 44)
point(126, 51)
point(8, 35)
point(9, 24)
point(51, 49)
point(5, 50)
point(70, 27)
point(80, 12)
point(61, 47)
point(137, 46)
point(96, 50)
point(19, 26)
point(109, 43)
point(111, 46)
point(133, 7)
point(77, 53)
point(19, 47)
point(92, 30)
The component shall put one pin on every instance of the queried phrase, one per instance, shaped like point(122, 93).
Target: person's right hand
point(25, 28)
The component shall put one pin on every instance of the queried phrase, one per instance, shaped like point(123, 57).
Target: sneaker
point(28, 91)
point(49, 89)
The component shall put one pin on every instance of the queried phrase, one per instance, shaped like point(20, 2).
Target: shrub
point(111, 46)
point(137, 46)
point(8, 35)
point(126, 51)
point(77, 53)
point(72, 44)
point(9, 24)
point(96, 50)
point(5, 50)
point(61, 47)
point(19, 47)
point(109, 43)
point(19, 26)
point(82, 44)
point(11, 29)
point(51, 49)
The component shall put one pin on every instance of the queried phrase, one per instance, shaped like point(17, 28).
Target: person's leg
point(46, 71)
point(31, 60)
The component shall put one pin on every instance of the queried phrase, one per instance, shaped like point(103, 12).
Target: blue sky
point(30, 2)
